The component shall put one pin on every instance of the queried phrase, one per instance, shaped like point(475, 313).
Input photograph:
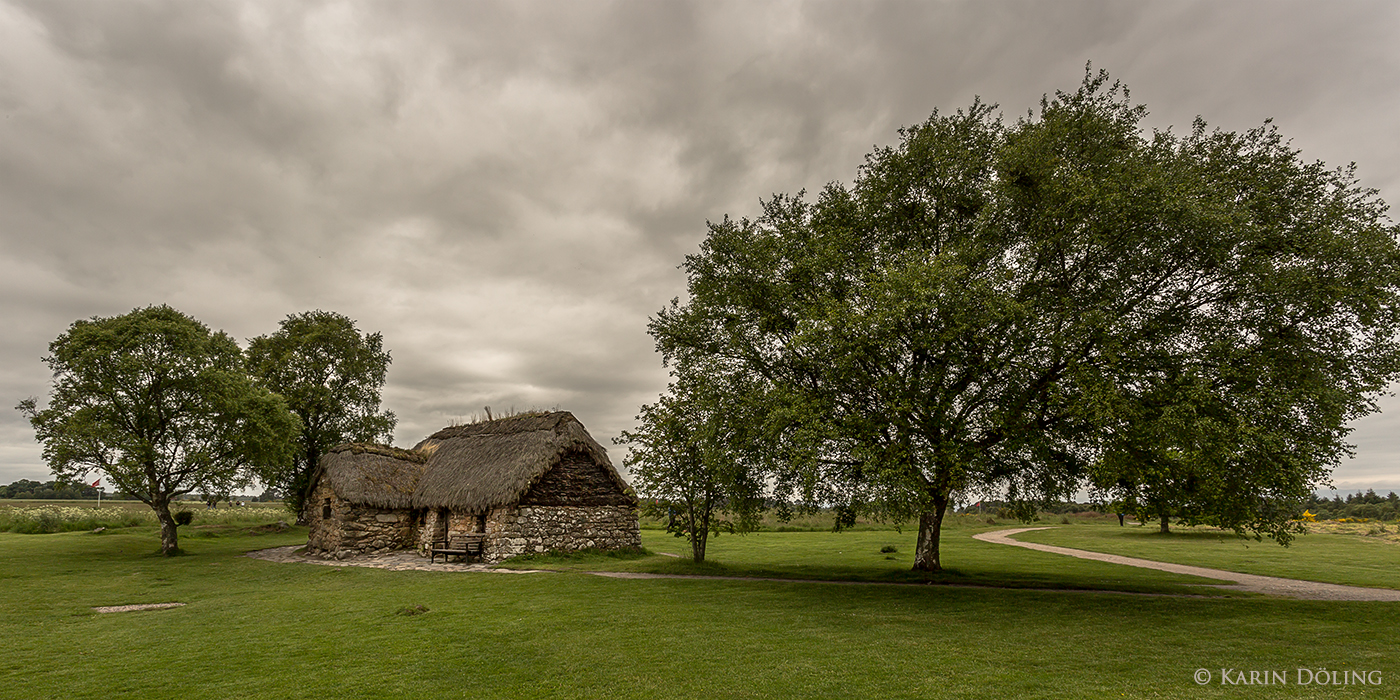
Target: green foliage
point(184, 517)
point(688, 462)
point(1355, 506)
point(161, 406)
point(330, 375)
point(1291, 287)
point(1022, 307)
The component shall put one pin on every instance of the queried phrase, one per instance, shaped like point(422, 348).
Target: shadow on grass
point(645, 562)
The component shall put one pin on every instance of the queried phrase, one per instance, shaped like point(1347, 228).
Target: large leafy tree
point(1012, 306)
point(331, 375)
point(159, 404)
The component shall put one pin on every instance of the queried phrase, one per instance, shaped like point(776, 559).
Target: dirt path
point(1286, 587)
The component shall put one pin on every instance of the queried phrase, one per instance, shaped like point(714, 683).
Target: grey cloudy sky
point(504, 190)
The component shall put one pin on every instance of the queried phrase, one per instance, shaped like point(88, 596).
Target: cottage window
point(326, 509)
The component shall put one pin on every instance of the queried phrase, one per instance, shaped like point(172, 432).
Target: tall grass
point(55, 518)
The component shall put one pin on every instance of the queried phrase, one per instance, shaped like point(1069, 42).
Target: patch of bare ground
point(133, 608)
point(401, 560)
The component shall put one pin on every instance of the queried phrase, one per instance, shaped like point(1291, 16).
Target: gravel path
point(1286, 587)
point(405, 560)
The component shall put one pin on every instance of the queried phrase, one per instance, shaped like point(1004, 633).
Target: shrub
point(184, 517)
point(889, 549)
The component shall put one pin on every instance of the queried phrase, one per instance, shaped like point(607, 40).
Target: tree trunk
point(699, 531)
point(304, 482)
point(926, 557)
point(169, 539)
point(1165, 529)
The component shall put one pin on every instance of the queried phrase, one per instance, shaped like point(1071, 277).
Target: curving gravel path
point(1269, 585)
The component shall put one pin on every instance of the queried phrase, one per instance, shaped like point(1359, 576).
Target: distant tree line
point(1008, 510)
point(26, 488)
point(1368, 505)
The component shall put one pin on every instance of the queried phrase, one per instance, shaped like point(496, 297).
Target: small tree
point(161, 406)
point(330, 375)
point(686, 464)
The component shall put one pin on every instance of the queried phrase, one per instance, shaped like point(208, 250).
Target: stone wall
point(516, 530)
point(354, 528)
point(429, 527)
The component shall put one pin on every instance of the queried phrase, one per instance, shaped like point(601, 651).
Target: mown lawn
point(857, 556)
point(1346, 559)
point(257, 629)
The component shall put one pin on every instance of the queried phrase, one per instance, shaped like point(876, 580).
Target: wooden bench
point(462, 546)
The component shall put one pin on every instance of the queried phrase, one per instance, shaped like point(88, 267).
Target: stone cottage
point(529, 483)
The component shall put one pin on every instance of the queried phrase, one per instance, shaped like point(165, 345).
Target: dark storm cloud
point(505, 189)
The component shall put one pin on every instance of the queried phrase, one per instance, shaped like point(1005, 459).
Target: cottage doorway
point(440, 527)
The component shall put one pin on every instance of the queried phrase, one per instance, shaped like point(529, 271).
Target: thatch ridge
point(521, 422)
point(478, 466)
point(375, 475)
point(383, 450)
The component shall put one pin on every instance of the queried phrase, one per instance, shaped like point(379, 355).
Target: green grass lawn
point(256, 629)
point(856, 556)
point(1346, 559)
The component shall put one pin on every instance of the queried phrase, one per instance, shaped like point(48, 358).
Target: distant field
point(114, 503)
point(256, 629)
point(50, 516)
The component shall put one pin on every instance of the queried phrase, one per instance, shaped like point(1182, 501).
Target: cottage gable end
point(577, 480)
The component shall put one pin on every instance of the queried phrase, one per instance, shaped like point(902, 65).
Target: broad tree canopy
point(1015, 306)
point(161, 406)
point(330, 375)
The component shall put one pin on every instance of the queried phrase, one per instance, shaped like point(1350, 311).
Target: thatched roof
point(492, 463)
point(375, 475)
